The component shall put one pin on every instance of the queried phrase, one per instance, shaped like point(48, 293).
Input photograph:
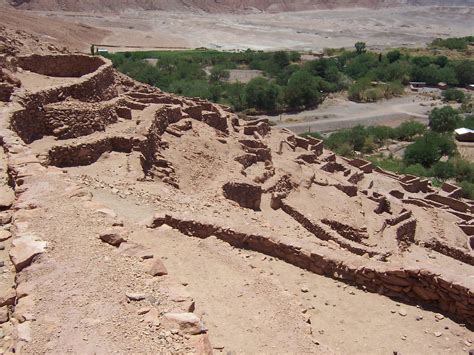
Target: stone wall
point(95, 87)
point(455, 204)
point(71, 120)
point(60, 65)
point(415, 284)
point(88, 153)
point(245, 194)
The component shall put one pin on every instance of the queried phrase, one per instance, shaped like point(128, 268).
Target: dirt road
point(335, 114)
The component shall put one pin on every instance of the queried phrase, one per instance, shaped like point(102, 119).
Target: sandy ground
point(338, 112)
point(310, 30)
point(267, 301)
point(62, 34)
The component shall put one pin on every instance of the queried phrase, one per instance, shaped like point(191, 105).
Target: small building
point(464, 134)
point(443, 86)
point(102, 51)
point(470, 87)
point(417, 85)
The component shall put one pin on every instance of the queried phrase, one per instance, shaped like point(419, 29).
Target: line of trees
point(287, 82)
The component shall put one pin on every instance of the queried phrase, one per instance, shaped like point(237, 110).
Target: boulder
point(156, 268)
point(23, 309)
point(152, 317)
point(113, 237)
point(4, 235)
point(131, 296)
point(5, 218)
point(7, 297)
point(188, 323)
point(4, 316)
point(24, 249)
point(202, 344)
point(24, 332)
point(7, 197)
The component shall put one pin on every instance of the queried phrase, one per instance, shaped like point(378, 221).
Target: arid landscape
point(308, 30)
point(133, 220)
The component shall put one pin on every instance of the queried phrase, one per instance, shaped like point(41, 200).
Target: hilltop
point(133, 220)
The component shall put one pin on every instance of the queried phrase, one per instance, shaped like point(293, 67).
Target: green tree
point(408, 130)
point(92, 49)
point(453, 95)
point(429, 149)
point(302, 90)
point(218, 73)
point(394, 55)
point(421, 153)
point(465, 72)
point(236, 96)
point(261, 94)
point(444, 119)
point(281, 58)
point(360, 47)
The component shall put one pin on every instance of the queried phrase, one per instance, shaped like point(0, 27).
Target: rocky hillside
point(217, 6)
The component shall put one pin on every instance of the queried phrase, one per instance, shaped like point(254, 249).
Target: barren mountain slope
point(49, 31)
point(216, 6)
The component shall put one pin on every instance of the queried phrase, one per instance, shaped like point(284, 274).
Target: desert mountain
point(217, 6)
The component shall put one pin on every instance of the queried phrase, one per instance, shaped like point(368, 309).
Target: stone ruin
point(360, 224)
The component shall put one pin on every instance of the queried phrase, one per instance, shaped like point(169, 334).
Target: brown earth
point(215, 6)
point(56, 34)
point(135, 221)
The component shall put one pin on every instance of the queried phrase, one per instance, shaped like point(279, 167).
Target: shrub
point(302, 90)
point(444, 119)
point(416, 170)
point(428, 149)
point(421, 153)
point(465, 72)
point(464, 170)
point(394, 55)
point(408, 130)
point(381, 133)
point(261, 94)
point(360, 47)
point(443, 170)
point(468, 189)
point(467, 122)
point(453, 95)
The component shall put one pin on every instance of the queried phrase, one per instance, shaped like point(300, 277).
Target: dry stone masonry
point(210, 174)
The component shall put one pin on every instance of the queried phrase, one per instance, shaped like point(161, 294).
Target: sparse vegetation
point(457, 43)
point(432, 154)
